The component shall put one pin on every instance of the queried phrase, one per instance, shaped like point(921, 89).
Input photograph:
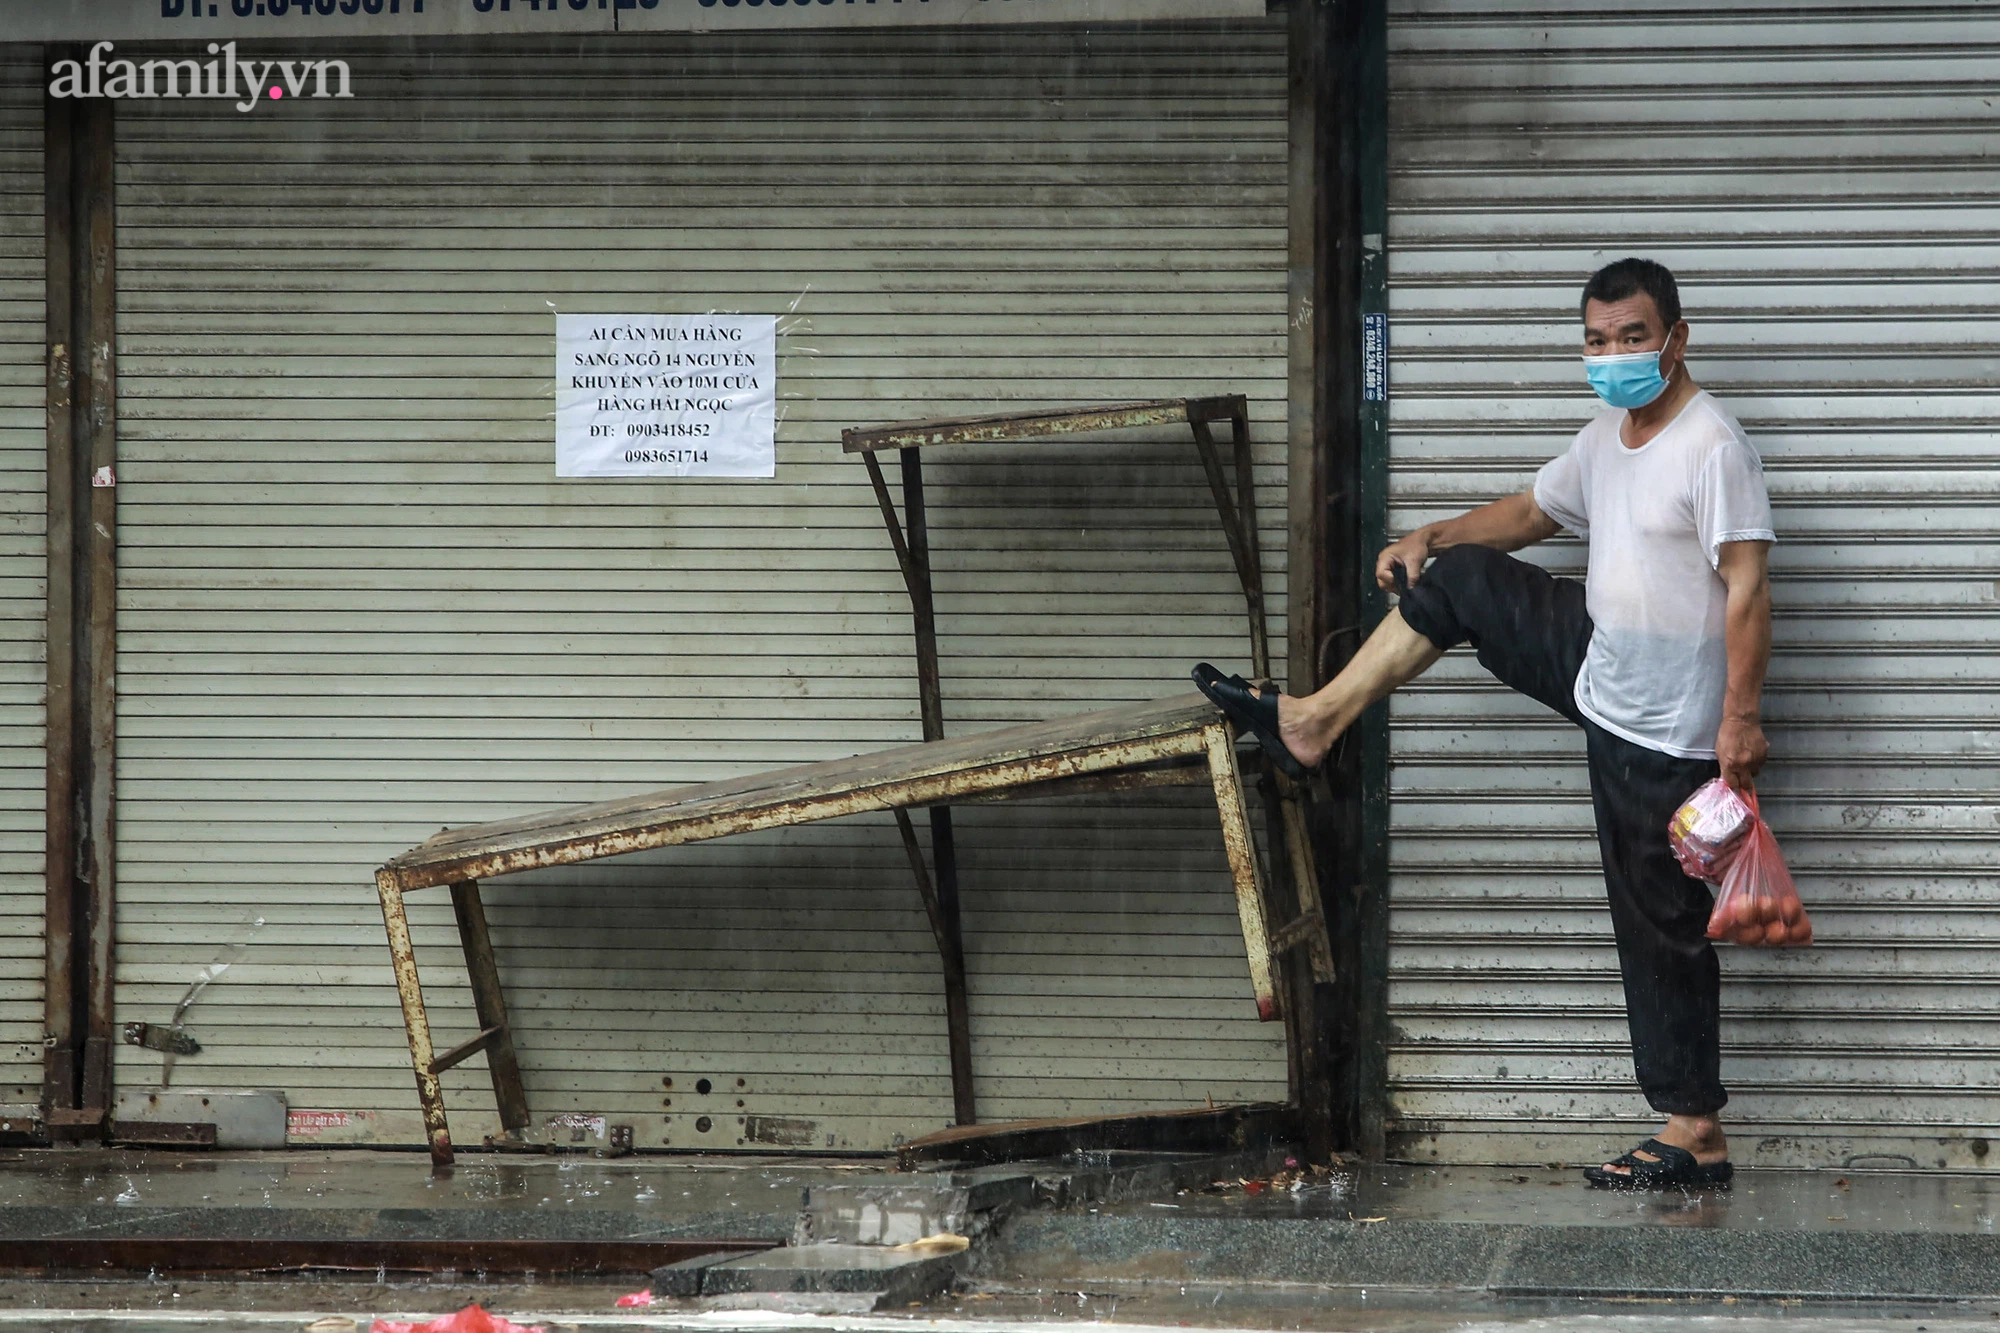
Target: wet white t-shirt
point(1656, 518)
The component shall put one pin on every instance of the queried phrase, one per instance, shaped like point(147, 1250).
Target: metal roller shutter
point(1819, 178)
point(356, 605)
point(23, 586)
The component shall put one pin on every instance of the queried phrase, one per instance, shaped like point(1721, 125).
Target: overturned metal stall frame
point(1238, 512)
point(910, 536)
point(1181, 741)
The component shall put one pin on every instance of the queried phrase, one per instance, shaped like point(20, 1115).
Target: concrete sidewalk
point(331, 1193)
point(1505, 1232)
point(1123, 1229)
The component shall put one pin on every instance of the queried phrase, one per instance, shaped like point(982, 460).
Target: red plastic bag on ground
point(1759, 904)
point(471, 1319)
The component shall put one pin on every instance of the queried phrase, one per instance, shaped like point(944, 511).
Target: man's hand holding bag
point(1718, 836)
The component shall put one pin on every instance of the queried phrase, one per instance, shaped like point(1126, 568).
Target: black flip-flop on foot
point(1254, 713)
point(1676, 1169)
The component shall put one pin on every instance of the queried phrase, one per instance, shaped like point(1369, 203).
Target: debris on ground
point(471, 1319)
point(1295, 1178)
point(635, 1300)
point(943, 1242)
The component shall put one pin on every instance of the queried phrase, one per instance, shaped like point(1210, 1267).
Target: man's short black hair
point(1629, 277)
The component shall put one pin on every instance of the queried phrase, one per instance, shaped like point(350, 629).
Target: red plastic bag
point(1759, 904)
point(471, 1319)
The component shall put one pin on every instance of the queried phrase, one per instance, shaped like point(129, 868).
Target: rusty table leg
point(1239, 524)
point(913, 555)
point(1246, 507)
point(489, 1005)
point(1311, 924)
point(958, 1012)
point(415, 1023)
point(1238, 841)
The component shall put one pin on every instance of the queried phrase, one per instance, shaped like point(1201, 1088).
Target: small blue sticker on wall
point(1375, 358)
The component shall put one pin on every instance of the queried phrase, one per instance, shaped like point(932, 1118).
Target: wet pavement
point(761, 1196)
point(1398, 1249)
point(1759, 1200)
point(330, 1193)
point(1503, 1233)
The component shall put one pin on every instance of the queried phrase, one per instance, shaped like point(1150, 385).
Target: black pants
point(1530, 629)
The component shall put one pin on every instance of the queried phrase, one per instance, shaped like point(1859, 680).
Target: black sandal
point(1254, 713)
point(1676, 1169)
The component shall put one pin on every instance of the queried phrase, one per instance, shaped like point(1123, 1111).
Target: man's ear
point(1680, 328)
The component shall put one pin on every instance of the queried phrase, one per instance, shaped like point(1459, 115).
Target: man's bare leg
point(1393, 655)
point(1699, 1134)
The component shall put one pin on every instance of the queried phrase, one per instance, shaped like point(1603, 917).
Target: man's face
point(1612, 328)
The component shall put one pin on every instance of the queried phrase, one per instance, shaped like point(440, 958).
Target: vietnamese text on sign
point(666, 395)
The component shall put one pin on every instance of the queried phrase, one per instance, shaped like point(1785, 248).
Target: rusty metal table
point(909, 534)
point(1181, 741)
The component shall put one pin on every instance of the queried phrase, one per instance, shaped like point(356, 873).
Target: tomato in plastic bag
point(1759, 904)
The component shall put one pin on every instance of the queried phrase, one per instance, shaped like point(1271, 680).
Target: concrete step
point(895, 1209)
point(893, 1274)
point(1512, 1234)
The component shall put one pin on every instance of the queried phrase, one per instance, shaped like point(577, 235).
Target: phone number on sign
point(243, 9)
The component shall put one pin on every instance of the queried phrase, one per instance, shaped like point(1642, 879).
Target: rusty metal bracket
point(1237, 511)
point(957, 1001)
point(174, 1040)
point(1239, 528)
point(164, 1134)
point(490, 1007)
point(460, 1053)
point(909, 535)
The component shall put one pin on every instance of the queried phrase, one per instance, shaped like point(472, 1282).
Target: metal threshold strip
point(207, 1254)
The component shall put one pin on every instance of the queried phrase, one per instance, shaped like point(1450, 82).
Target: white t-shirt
point(1656, 518)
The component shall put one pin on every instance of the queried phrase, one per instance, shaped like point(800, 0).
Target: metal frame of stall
point(1176, 742)
point(1180, 741)
point(910, 536)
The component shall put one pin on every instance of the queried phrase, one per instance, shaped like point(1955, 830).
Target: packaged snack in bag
point(1759, 903)
point(1706, 829)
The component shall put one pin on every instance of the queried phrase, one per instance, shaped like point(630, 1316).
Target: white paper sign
point(666, 395)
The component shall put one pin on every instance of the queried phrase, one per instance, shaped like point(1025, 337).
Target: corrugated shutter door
point(23, 585)
point(356, 604)
point(1820, 180)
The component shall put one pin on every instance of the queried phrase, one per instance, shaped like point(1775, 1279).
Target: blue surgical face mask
point(1629, 380)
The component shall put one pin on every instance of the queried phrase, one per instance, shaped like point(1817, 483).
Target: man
point(1659, 656)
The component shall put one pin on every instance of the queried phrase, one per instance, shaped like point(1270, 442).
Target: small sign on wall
point(1375, 357)
point(666, 395)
